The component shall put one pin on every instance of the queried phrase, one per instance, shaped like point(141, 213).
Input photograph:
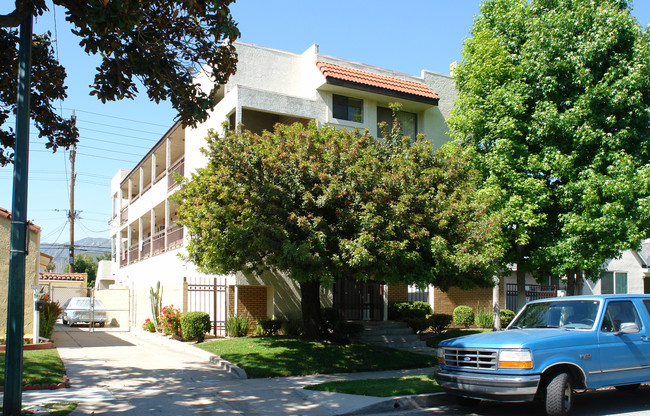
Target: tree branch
point(13, 19)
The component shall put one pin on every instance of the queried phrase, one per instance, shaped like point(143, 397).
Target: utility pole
point(72, 214)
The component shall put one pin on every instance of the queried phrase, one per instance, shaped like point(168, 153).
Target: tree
point(84, 263)
point(163, 43)
point(554, 98)
point(326, 204)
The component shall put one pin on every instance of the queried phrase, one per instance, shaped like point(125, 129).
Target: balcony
point(174, 237)
point(178, 167)
point(124, 216)
point(133, 254)
point(158, 243)
point(146, 248)
point(123, 259)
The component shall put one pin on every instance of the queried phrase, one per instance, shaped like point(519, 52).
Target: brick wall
point(445, 302)
point(251, 303)
point(398, 292)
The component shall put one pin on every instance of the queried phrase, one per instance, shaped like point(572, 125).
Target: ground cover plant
point(382, 387)
point(39, 367)
point(282, 356)
point(53, 409)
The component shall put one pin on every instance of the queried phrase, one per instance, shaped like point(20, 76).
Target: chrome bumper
point(496, 387)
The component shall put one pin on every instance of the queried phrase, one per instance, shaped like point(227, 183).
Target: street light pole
point(18, 243)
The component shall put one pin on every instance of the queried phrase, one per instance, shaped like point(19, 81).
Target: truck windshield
point(568, 314)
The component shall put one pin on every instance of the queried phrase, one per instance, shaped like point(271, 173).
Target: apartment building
point(270, 86)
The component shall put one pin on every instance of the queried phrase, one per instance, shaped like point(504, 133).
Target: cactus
point(156, 303)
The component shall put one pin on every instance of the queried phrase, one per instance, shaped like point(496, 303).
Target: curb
point(414, 402)
point(180, 346)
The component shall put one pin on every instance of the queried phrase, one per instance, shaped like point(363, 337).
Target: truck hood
point(519, 338)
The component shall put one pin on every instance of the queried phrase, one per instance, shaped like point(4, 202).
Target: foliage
point(47, 317)
point(169, 320)
point(330, 317)
point(155, 298)
point(292, 327)
point(439, 322)
point(284, 356)
point(348, 329)
point(463, 315)
point(402, 310)
point(506, 317)
point(484, 318)
point(268, 327)
point(554, 101)
point(149, 326)
point(321, 204)
point(382, 387)
point(84, 263)
point(163, 43)
point(194, 325)
point(39, 367)
point(237, 326)
point(417, 323)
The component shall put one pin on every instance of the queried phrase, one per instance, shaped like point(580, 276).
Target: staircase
point(393, 334)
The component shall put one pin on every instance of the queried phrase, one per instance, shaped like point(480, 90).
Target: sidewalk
point(135, 373)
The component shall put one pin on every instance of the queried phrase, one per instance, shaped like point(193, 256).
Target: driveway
point(143, 377)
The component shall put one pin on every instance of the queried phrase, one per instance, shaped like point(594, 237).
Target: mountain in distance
point(91, 246)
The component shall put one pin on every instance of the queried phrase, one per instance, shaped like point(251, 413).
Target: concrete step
point(378, 338)
point(387, 331)
point(393, 334)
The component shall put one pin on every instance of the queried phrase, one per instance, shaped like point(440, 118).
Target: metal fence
point(359, 300)
point(533, 292)
point(210, 295)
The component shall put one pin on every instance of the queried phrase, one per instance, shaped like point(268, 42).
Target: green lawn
point(433, 340)
point(382, 387)
point(54, 409)
point(39, 367)
point(280, 356)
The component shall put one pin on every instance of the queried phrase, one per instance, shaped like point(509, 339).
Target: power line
point(119, 127)
point(121, 118)
point(109, 150)
point(122, 135)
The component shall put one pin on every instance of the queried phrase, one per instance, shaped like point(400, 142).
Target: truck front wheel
point(559, 395)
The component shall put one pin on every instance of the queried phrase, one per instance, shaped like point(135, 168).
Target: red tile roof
point(4, 213)
point(377, 81)
point(70, 277)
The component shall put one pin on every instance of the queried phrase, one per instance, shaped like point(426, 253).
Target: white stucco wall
point(630, 263)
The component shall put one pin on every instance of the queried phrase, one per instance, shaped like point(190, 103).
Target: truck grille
point(471, 358)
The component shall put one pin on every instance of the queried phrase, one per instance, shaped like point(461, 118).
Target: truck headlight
point(440, 352)
point(515, 359)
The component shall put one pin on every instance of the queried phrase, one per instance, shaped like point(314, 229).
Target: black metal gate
point(359, 300)
point(533, 292)
point(209, 295)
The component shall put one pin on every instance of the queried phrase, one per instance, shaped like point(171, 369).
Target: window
point(617, 313)
point(346, 108)
point(613, 282)
point(408, 120)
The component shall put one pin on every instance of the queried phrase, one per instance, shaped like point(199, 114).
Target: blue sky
point(405, 37)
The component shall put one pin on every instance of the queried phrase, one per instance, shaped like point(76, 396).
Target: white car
point(86, 310)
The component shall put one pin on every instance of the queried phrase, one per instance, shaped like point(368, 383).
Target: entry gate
point(108, 309)
point(209, 295)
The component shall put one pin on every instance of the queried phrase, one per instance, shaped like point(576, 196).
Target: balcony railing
point(133, 254)
point(174, 237)
point(158, 243)
point(124, 216)
point(146, 248)
point(124, 260)
point(159, 177)
point(178, 167)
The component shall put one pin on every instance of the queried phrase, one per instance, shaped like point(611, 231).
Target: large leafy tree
point(162, 43)
point(325, 204)
point(84, 263)
point(555, 100)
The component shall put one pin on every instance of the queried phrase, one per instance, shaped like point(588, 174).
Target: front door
point(359, 300)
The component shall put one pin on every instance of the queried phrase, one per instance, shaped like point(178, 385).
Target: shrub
point(463, 315)
point(47, 318)
point(149, 326)
point(331, 317)
point(439, 322)
point(417, 324)
point(400, 311)
point(348, 329)
point(194, 325)
point(506, 317)
point(237, 326)
point(484, 318)
point(268, 327)
point(292, 327)
point(169, 320)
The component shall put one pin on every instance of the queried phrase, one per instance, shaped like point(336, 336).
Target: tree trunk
point(572, 277)
point(496, 309)
point(521, 279)
point(312, 327)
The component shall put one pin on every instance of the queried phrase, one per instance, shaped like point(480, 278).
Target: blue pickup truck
point(553, 348)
